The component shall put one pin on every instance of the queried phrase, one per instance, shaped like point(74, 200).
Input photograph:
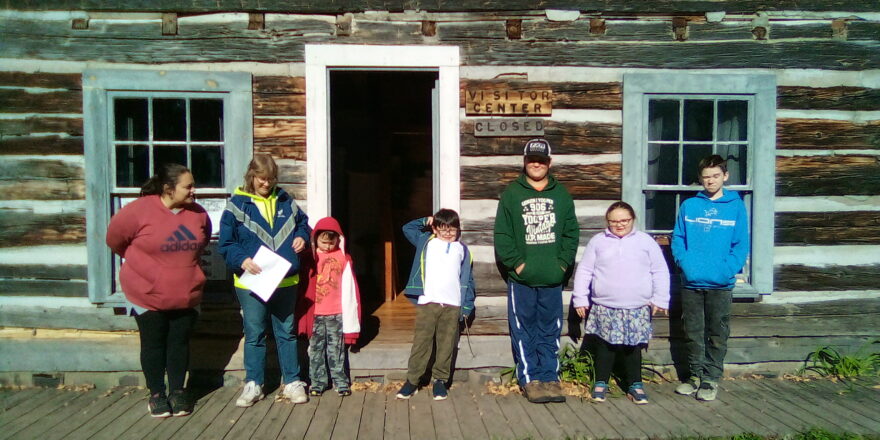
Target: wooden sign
point(498, 102)
point(508, 127)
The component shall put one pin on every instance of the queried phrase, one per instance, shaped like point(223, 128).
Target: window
point(135, 121)
point(671, 121)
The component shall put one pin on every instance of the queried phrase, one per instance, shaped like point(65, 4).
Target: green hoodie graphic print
point(538, 228)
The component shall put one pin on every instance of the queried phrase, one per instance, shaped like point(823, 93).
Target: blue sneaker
point(599, 390)
point(440, 390)
point(637, 394)
point(407, 391)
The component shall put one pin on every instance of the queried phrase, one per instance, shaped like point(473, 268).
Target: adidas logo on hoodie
point(180, 240)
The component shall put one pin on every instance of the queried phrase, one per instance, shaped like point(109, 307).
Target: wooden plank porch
point(768, 407)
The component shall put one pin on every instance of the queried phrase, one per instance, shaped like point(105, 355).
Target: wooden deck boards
point(766, 407)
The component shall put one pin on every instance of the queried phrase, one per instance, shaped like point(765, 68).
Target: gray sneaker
point(689, 387)
point(708, 391)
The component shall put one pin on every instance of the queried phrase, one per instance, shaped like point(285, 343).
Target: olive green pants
point(436, 325)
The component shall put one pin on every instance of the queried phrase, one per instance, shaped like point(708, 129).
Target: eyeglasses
point(621, 222)
point(447, 231)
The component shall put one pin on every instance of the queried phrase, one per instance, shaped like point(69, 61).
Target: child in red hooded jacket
point(331, 307)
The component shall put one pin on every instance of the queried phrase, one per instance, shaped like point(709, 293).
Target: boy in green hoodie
point(536, 239)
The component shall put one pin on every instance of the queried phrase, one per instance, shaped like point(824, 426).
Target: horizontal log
point(827, 175)
point(603, 96)
point(813, 30)
point(44, 288)
point(22, 127)
point(70, 81)
point(822, 134)
point(831, 55)
point(38, 168)
point(857, 30)
point(291, 172)
point(20, 101)
point(598, 181)
point(467, 30)
point(41, 145)
point(340, 6)
point(282, 138)
point(276, 104)
point(297, 190)
point(807, 278)
point(279, 84)
point(42, 189)
point(33, 39)
point(40, 271)
point(827, 98)
point(18, 228)
point(828, 228)
point(564, 138)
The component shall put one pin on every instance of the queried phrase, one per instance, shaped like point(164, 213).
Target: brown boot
point(554, 391)
point(535, 392)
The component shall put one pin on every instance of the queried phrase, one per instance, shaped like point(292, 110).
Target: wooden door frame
point(320, 58)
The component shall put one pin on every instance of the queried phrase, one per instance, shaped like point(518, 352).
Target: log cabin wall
point(828, 118)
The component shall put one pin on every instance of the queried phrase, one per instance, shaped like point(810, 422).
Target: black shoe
point(407, 391)
point(344, 392)
point(180, 403)
point(158, 406)
point(440, 390)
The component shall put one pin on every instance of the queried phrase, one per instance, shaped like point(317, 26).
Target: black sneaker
point(407, 391)
point(180, 403)
point(343, 392)
point(440, 390)
point(158, 406)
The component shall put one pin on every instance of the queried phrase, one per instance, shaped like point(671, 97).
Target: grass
point(828, 362)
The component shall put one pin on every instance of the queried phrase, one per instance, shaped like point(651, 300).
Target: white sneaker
point(296, 392)
point(249, 395)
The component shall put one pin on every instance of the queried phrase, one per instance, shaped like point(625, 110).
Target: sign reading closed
point(508, 127)
point(508, 102)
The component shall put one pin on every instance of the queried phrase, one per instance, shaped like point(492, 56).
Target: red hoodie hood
point(327, 224)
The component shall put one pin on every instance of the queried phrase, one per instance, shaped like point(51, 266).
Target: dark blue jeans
point(535, 318)
point(256, 315)
point(706, 320)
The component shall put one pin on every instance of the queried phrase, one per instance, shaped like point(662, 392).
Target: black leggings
point(629, 357)
point(165, 347)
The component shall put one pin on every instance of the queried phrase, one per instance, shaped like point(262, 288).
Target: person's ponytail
point(166, 174)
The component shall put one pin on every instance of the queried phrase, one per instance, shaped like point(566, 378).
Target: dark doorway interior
point(380, 162)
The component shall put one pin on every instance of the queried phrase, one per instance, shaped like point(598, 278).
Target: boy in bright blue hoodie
point(710, 243)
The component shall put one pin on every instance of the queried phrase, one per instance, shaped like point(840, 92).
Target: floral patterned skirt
point(620, 326)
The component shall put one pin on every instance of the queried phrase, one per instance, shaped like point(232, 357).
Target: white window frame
point(638, 87)
point(321, 58)
point(98, 85)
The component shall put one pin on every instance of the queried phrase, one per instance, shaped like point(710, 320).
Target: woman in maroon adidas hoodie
point(161, 236)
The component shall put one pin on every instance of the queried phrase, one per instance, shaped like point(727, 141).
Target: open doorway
point(381, 159)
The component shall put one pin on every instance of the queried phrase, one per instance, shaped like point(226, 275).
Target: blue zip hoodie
point(415, 285)
point(710, 241)
point(243, 229)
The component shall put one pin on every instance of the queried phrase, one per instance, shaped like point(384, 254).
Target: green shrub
point(827, 361)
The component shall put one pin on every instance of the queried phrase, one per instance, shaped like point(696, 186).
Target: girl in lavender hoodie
point(620, 282)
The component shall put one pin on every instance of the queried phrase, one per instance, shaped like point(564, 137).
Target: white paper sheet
point(273, 269)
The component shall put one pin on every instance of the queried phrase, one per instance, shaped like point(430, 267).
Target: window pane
point(698, 118)
point(732, 120)
point(662, 120)
point(207, 166)
point(169, 119)
point(660, 210)
point(163, 154)
point(737, 162)
point(206, 119)
point(132, 165)
point(663, 164)
point(690, 175)
point(130, 119)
